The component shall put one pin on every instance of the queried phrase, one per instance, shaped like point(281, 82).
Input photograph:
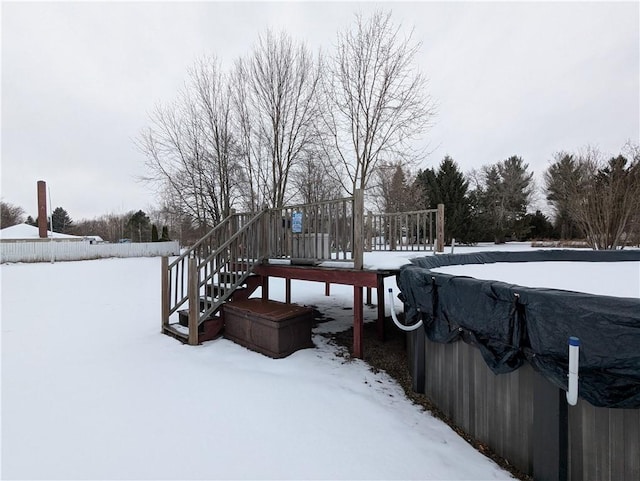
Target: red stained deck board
point(350, 277)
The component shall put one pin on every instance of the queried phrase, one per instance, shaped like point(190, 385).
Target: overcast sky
point(79, 80)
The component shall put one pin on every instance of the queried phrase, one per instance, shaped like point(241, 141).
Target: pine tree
point(62, 223)
point(154, 233)
point(503, 197)
point(139, 227)
point(165, 234)
point(448, 186)
point(559, 179)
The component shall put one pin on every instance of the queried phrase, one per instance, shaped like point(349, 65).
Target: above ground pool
point(524, 306)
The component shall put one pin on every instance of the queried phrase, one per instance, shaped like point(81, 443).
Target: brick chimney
point(42, 209)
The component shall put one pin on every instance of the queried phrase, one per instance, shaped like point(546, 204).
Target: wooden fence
point(525, 419)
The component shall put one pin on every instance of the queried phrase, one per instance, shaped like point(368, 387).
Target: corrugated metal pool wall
point(500, 411)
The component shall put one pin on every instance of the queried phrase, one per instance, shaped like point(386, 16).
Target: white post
point(574, 356)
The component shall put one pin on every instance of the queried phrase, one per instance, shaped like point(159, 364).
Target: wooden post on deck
point(194, 301)
point(165, 291)
point(358, 237)
point(440, 229)
point(368, 233)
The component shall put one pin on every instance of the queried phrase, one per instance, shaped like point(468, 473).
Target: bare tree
point(605, 198)
point(393, 188)
point(314, 179)
point(374, 98)
point(10, 214)
point(190, 147)
point(275, 101)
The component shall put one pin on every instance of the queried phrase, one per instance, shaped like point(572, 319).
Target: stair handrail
point(199, 264)
point(250, 265)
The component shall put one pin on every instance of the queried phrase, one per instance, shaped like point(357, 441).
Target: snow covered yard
point(92, 390)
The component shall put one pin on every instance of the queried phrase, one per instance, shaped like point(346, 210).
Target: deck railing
point(318, 232)
point(421, 230)
point(205, 276)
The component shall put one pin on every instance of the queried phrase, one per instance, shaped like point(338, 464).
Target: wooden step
point(228, 277)
point(183, 318)
point(207, 331)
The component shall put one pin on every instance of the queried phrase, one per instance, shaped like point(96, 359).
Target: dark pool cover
point(512, 324)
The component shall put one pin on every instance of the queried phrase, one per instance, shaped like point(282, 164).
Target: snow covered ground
point(92, 390)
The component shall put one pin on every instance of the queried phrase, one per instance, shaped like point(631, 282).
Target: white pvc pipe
point(395, 318)
point(574, 356)
point(453, 244)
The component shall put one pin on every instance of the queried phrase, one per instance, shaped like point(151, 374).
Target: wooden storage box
point(272, 328)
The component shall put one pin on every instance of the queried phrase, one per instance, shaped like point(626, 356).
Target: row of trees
point(591, 198)
point(284, 124)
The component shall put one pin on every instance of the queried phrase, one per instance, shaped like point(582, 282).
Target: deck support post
point(368, 296)
point(265, 288)
point(440, 229)
point(165, 291)
point(358, 322)
point(327, 289)
point(381, 316)
point(194, 308)
point(287, 290)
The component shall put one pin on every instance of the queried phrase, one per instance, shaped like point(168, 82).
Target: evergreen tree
point(31, 221)
point(540, 227)
point(503, 197)
point(154, 233)
point(448, 186)
point(559, 179)
point(62, 223)
point(165, 234)
point(139, 227)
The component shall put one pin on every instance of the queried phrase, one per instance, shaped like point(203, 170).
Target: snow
point(92, 390)
point(28, 232)
point(619, 279)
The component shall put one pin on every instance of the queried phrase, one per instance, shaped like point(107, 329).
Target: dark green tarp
point(512, 324)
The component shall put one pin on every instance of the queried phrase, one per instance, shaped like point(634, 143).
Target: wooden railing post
point(392, 231)
point(263, 230)
point(194, 308)
point(367, 232)
point(358, 218)
point(440, 229)
point(166, 295)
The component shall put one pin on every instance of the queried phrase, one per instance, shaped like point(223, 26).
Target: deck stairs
point(219, 268)
point(223, 266)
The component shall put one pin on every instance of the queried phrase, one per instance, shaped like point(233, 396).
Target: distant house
point(26, 232)
point(94, 239)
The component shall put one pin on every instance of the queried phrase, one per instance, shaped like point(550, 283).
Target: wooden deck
point(358, 278)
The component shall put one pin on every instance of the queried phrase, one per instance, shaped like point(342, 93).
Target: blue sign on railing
point(296, 222)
